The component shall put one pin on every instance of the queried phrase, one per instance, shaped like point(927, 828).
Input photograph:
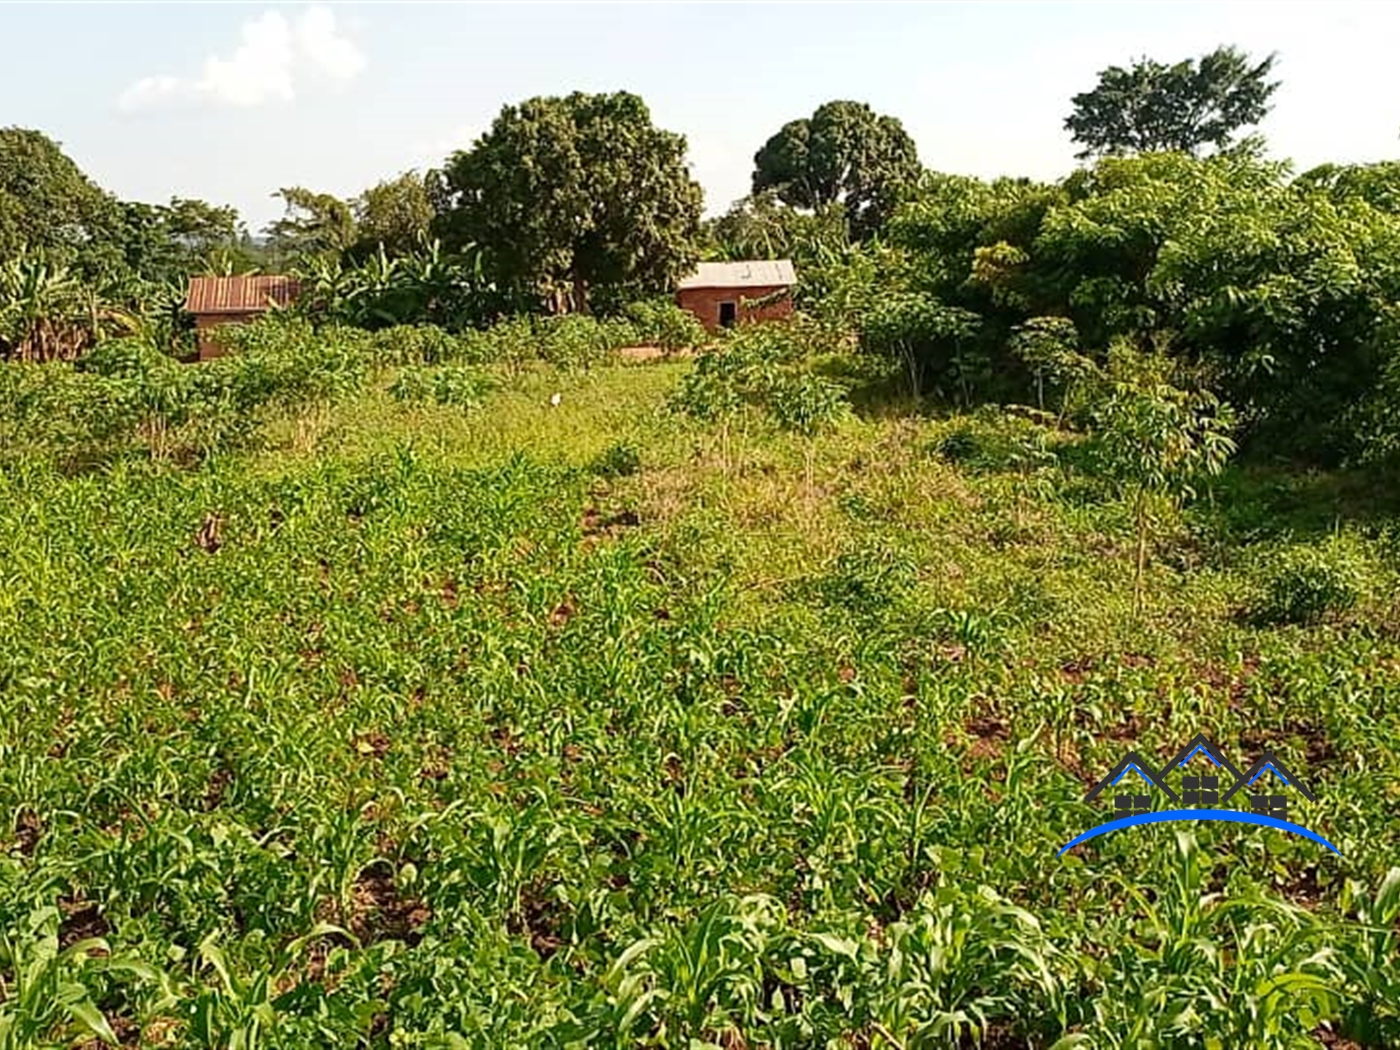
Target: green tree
point(844, 153)
point(1154, 440)
point(760, 226)
point(315, 224)
point(565, 194)
point(396, 213)
point(1153, 107)
point(47, 203)
point(166, 243)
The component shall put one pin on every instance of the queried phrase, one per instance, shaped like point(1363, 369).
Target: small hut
point(217, 301)
point(722, 294)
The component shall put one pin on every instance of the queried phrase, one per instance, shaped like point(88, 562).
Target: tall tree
point(46, 202)
point(845, 152)
point(563, 194)
point(761, 227)
point(1186, 106)
point(315, 224)
point(396, 213)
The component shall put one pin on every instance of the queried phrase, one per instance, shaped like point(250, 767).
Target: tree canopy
point(314, 224)
point(47, 203)
point(396, 213)
point(1186, 106)
point(844, 153)
point(563, 194)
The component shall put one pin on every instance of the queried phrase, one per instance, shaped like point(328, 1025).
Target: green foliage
point(567, 193)
point(443, 385)
point(463, 730)
point(1305, 583)
point(845, 154)
point(48, 204)
point(1185, 106)
point(395, 215)
point(761, 226)
point(1049, 347)
point(1155, 440)
point(416, 344)
point(993, 441)
point(620, 460)
point(127, 396)
point(661, 323)
point(935, 344)
point(316, 225)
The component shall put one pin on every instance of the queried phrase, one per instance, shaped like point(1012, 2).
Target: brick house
point(722, 294)
point(216, 301)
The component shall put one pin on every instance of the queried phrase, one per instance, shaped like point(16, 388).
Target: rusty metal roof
point(750, 273)
point(239, 295)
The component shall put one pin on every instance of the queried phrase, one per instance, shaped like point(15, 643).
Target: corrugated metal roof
point(750, 273)
point(239, 295)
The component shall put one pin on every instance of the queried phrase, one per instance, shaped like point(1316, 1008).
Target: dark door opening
point(728, 314)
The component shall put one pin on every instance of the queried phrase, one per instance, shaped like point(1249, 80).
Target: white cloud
point(148, 91)
point(265, 67)
point(327, 50)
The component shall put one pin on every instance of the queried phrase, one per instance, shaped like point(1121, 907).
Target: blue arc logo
point(1133, 800)
point(1233, 816)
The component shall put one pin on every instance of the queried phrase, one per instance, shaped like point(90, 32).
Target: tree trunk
point(580, 294)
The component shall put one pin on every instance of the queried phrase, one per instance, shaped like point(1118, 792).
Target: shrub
point(573, 341)
point(661, 323)
point(415, 344)
point(993, 441)
point(447, 385)
point(617, 461)
point(930, 340)
point(1305, 584)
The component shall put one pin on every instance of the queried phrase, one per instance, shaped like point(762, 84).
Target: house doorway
point(728, 314)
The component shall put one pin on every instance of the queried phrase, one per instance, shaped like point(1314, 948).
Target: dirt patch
point(81, 921)
point(1077, 670)
point(209, 537)
point(597, 525)
point(1128, 729)
point(378, 912)
point(372, 745)
point(218, 785)
point(127, 1031)
point(999, 1036)
point(28, 829)
point(541, 919)
point(1331, 1039)
point(1304, 890)
point(1317, 747)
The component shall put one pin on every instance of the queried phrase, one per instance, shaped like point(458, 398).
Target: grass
point(411, 729)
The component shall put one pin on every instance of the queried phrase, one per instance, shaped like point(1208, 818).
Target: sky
point(228, 102)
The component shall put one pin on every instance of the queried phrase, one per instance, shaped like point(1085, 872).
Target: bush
point(127, 395)
point(661, 323)
point(1305, 584)
point(933, 343)
point(415, 344)
point(993, 441)
point(618, 461)
point(574, 341)
point(448, 385)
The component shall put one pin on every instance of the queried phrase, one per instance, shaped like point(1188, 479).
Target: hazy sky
point(230, 101)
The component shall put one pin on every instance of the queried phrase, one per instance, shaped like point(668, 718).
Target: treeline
point(1177, 242)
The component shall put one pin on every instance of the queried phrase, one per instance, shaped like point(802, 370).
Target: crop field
point(532, 724)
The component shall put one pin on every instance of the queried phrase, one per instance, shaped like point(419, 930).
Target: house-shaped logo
point(1219, 792)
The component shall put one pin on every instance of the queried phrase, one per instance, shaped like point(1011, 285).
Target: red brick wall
point(704, 304)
